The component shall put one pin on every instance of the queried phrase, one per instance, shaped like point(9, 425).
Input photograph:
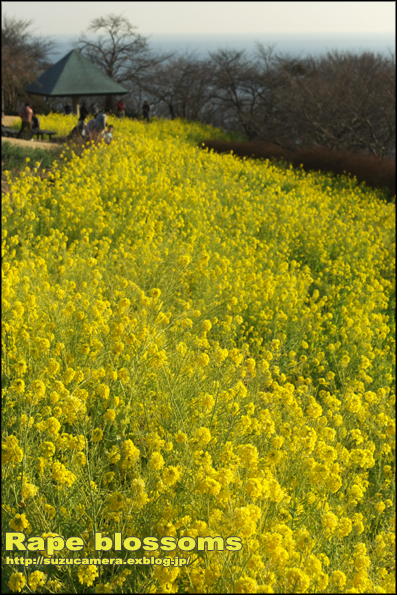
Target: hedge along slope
point(199, 346)
point(369, 169)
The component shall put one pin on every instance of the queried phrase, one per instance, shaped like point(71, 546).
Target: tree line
point(341, 101)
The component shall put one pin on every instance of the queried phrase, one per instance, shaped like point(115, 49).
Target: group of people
point(97, 128)
point(120, 110)
point(30, 122)
point(145, 110)
point(67, 109)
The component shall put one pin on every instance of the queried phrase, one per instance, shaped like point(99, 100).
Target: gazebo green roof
point(74, 76)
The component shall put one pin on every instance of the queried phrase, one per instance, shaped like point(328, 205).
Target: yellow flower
point(202, 436)
point(329, 521)
point(50, 510)
point(297, 580)
point(254, 488)
point(236, 356)
point(250, 364)
point(97, 435)
point(248, 455)
point(62, 475)
point(246, 584)
point(180, 437)
point(380, 507)
point(207, 325)
point(12, 453)
point(156, 461)
point(184, 260)
point(87, 574)
point(17, 582)
point(37, 579)
point(19, 523)
point(139, 493)
point(131, 452)
point(314, 410)
point(203, 360)
point(29, 490)
point(38, 387)
point(171, 475)
point(123, 375)
point(110, 415)
point(208, 485)
point(19, 386)
point(207, 401)
point(181, 348)
point(344, 527)
point(345, 361)
point(115, 501)
point(103, 391)
point(51, 426)
point(273, 457)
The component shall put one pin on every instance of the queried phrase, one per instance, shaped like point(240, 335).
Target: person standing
point(121, 109)
point(67, 110)
point(82, 128)
point(146, 111)
point(26, 114)
point(83, 111)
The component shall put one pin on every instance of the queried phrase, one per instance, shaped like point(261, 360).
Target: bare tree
point(346, 102)
point(116, 49)
point(23, 59)
point(119, 51)
point(248, 92)
point(180, 87)
point(339, 101)
point(230, 68)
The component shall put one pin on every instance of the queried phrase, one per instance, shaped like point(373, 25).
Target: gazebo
point(74, 76)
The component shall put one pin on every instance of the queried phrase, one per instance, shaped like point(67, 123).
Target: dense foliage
point(196, 345)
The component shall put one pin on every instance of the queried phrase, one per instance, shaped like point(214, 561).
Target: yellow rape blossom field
point(200, 350)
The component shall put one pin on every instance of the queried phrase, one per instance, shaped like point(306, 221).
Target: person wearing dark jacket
point(83, 111)
point(35, 122)
point(146, 110)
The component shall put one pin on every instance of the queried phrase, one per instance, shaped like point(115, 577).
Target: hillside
point(198, 346)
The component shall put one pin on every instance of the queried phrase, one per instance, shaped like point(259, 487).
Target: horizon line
point(319, 33)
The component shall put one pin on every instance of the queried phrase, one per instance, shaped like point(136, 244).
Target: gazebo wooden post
point(76, 107)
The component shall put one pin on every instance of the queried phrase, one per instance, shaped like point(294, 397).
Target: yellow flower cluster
point(199, 346)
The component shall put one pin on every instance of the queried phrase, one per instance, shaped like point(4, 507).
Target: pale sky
point(73, 18)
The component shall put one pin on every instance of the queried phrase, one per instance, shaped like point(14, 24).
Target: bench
point(9, 132)
point(40, 133)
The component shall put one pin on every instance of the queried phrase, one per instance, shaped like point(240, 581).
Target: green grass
point(14, 157)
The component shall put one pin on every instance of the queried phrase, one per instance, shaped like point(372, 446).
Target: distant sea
point(294, 45)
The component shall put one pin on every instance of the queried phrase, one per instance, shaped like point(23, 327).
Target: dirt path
point(28, 143)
